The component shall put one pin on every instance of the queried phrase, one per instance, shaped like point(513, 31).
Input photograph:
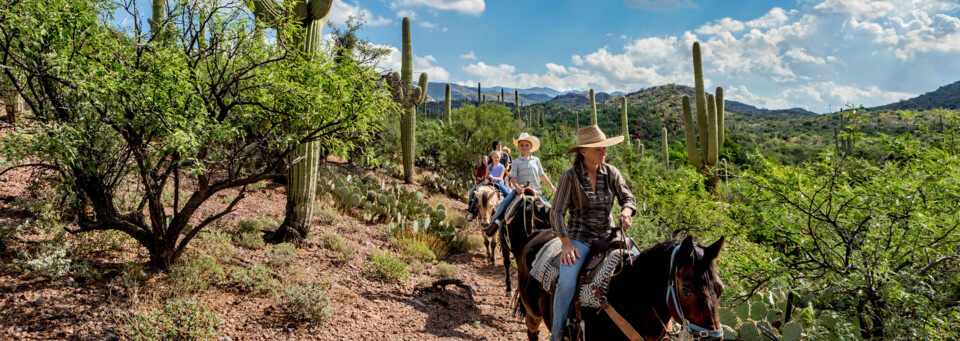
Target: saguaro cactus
point(502, 99)
point(593, 108)
point(479, 95)
point(409, 97)
point(516, 101)
point(446, 100)
point(709, 120)
point(624, 129)
point(666, 148)
point(302, 176)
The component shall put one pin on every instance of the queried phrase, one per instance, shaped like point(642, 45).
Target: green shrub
point(251, 241)
point(250, 225)
point(217, 244)
point(255, 280)
point(415, 249)
point(50, 261)
point(333, 241)
point(196, 273)
point(448, 270)
point(307, 302)
point(384, 267)
point(281, 255)
point(179, 320)
point(464, 243)
point(416, 267)
point(424, 283)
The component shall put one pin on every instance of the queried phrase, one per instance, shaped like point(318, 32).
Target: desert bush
point(178, 320)
point(384, 267)
point(196, 273)
point(281, 255)
point(257, 279)
point(307, 302)
point(255, 225)
point(333, 241)
point(448, 270)
point(416, 249)
point(416, 267)
point(50, 260)
point(253, 241)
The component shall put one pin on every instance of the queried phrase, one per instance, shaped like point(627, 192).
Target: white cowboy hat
point(592, 136)
point(534, 141)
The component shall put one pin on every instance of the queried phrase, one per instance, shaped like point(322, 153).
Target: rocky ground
point(78, 308)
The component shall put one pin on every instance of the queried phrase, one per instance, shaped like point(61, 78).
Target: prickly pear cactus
point(728, 317)
point(749, 332)
point(792, 331)
point(758, 311)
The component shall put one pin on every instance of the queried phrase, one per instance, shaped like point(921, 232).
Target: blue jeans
point(473, 196)
point(506, 202)
point(567, 287)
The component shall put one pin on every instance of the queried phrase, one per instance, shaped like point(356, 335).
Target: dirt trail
point(363, 309)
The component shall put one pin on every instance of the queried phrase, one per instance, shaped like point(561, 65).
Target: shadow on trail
point(447, 310)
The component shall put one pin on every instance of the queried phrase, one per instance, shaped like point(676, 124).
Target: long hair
point(578, 158)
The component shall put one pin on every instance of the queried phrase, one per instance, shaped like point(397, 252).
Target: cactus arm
point(593, 108)
point(422, 85)
point(406, 67)
point(719, 96)
point(516, 101)
point(701, 99)
point(265, 10)
point(711, 148)
point(320, 8)
point(691, 137)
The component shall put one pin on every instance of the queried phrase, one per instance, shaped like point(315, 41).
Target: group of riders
point(586, 191)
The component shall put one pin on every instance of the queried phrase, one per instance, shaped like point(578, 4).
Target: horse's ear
point(713, 251)
point(686, 249)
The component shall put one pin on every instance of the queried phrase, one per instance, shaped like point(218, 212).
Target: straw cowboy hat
point(534, 141)
point(591, 136)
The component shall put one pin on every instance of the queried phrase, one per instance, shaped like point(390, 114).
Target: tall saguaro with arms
point(302, 176)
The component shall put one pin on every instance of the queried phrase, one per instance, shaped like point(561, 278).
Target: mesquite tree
point(117, 110)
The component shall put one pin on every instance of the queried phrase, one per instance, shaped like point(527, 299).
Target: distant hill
point(667, 97)
point(579, 100)
point(946, 97)
point(435, 91)
point(735, 106)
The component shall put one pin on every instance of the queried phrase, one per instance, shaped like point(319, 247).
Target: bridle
point(687, 327)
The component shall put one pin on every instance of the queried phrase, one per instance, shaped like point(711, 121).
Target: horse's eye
point(685, 292)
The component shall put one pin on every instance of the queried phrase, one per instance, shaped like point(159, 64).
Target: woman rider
point(527, 171)
point(587, 191)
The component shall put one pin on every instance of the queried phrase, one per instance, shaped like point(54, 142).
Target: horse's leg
point(505, 252)
point(487, 241)
point(533, 327)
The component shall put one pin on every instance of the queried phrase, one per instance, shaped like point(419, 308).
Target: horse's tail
point(518, 309)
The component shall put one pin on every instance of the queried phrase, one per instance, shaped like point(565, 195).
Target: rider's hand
point(626, 218)
point(570, 252)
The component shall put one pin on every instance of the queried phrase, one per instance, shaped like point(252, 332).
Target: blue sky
point(813, 54)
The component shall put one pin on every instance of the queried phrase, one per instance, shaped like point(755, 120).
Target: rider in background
point(587, 191)
point(494, 176)
point(480, 176)
point(527, 171)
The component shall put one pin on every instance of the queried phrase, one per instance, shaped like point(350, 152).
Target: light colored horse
point(488, 201)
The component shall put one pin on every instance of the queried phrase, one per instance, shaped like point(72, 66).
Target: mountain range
point(667, 97)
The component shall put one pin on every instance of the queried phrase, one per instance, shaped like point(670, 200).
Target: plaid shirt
point(590, 216)
point(527, 169)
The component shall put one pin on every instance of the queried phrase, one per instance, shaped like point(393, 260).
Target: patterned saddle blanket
point(546, 269)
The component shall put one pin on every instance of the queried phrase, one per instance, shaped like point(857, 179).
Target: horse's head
point(696, 286)
point(489, 200)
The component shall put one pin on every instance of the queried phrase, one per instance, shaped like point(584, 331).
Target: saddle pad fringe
point(546, 267)
point(546, 270)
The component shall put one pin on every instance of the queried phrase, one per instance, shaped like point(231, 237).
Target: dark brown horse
point(640, 293)
point(523, 221)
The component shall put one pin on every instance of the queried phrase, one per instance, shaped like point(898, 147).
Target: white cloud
point(427, 24)
point(869, 52)
point(474, 7)
point(800, 55)
point(342, 11)
point(470, 55)
point(407, 13)
point(659, 5)
point(427, 64)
